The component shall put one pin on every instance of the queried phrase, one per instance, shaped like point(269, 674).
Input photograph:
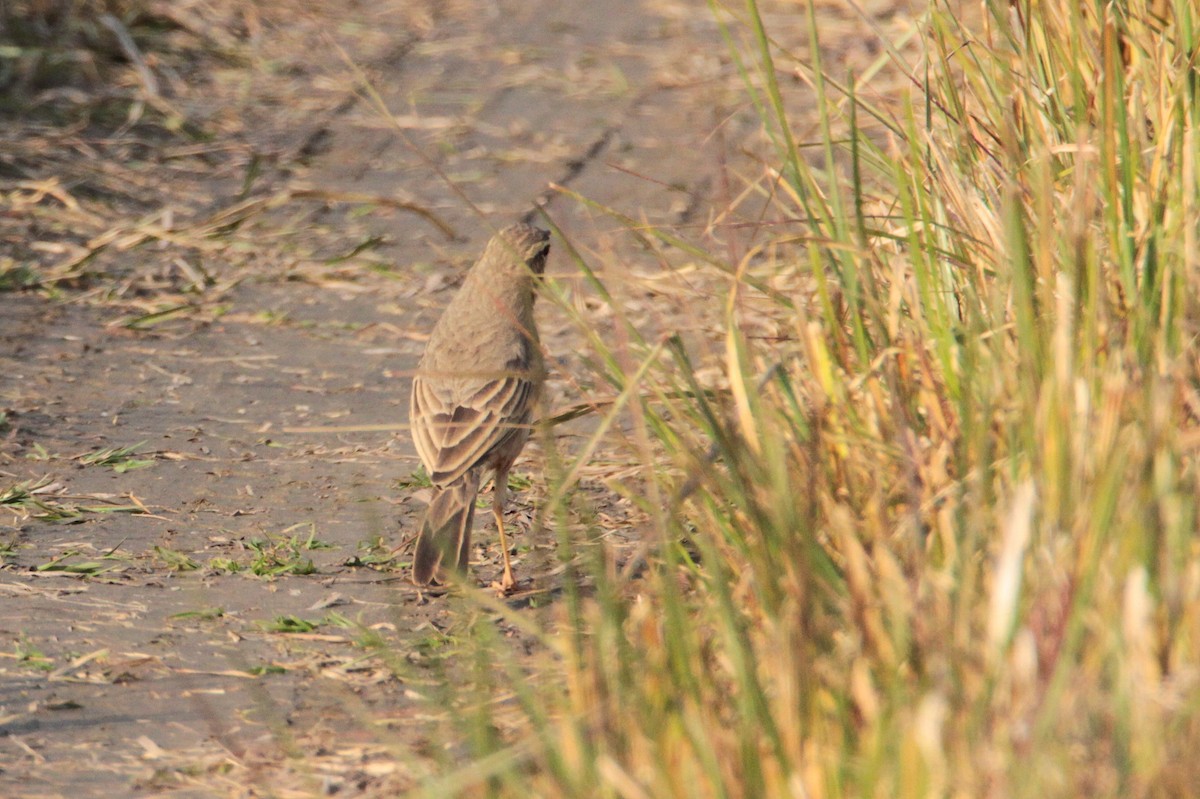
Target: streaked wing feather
point(459, 427)
point(486, 393)
point(450, 441)
point(424, 405)
point(516, 405)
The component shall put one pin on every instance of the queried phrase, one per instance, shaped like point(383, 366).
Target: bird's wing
point(455, 429)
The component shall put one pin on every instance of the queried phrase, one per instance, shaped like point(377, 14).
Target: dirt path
point(141, 652)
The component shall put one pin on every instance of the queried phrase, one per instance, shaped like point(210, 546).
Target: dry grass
point(918, 483)
point(937, 532)
point(110, 152)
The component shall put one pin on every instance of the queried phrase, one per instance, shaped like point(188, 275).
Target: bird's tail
point(445, 533)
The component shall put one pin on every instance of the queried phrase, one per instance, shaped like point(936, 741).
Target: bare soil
point(244, 309)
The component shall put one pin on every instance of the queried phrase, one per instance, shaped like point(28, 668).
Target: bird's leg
point(507, 582)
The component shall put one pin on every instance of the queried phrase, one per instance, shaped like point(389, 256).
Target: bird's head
point(523, 247)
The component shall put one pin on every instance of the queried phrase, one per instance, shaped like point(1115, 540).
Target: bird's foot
point(506, 585)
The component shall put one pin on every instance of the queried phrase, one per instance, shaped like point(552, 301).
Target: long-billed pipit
point(474, 393)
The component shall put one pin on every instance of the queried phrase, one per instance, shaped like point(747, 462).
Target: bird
point(474, 393)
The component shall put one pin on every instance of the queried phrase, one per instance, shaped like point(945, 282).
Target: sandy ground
point(140, 652)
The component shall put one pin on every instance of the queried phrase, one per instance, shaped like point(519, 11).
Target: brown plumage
point(474, 393)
